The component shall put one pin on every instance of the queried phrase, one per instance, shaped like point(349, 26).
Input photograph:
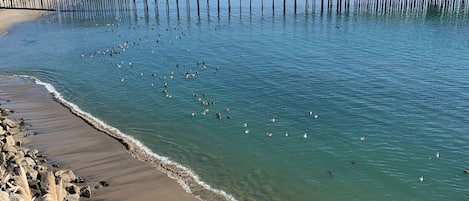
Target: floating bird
point(245, 124)
point(421, 179)
point(193, 114)
point(286, 134)
point(362, 138)
point(246, 131)
point(316, 116)
point(437, 155)
point(273, 120)
point(269, 134)
point(305, 135)
point(310, 113)
point(466, 171)
point(218, 115)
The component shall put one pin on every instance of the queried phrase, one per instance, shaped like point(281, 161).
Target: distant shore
point(8, 17)
point(71, 143)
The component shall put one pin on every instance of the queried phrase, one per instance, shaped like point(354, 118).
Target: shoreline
point(155, 170)
point(9, 17)
point(71, 143)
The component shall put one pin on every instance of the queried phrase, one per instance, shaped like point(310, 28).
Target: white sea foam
point(114, 131)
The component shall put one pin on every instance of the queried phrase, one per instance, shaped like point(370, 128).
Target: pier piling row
point(287, 6)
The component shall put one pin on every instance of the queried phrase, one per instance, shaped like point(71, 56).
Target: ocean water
point(190, 87)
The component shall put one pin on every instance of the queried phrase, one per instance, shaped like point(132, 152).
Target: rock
point(104, 183)
point(29, 162)
point(8, 122)
point(3, 158)
point(6, 112)
point(79, 180)
point(85, 192)
point(73, 192)
point(74, 197)
point(72, 189)
point(22, 125)
point(16, 197)
point(19, 143)
point(2, 131)
point(4, 196)
point(9, 140)
point(41, 168)
point(10, 149)
point(66, 175)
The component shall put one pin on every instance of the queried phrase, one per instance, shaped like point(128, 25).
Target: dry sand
point(8, 17)
point(72, 143)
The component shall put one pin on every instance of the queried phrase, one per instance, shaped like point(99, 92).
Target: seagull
point(273, 120)
point(316, 116)
point(437, 155)
point(286, 134)
point(246, 131)
point(269, 134)
point(305, 135)
point(362, 138)
point(193, 114)
point(245, 124)
point(421, 178)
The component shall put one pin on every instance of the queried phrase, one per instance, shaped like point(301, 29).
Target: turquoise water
point(400, 81)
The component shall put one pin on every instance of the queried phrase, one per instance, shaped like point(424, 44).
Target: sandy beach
point(8, 17)
point(70, 142)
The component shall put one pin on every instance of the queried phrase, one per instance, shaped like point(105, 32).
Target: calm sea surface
point(206, 91)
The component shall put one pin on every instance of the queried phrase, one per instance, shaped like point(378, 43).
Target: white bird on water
point(286, 134)
point(305, 135)
point(245, 124)
point(362, 138)
point(437, 155)
point(273, 120)
point(421, 179)
point(246, 131)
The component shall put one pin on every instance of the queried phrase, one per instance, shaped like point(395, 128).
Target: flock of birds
point(191, 73)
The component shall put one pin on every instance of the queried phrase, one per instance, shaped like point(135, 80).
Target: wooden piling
point(156, 8)
point(284, 7)
point(188, 8)
point(177, 7)
point(198, 8)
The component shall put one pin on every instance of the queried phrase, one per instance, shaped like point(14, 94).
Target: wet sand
point(8, 17)
point(72, 143)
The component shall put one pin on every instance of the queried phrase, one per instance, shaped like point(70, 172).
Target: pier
point(243, 7)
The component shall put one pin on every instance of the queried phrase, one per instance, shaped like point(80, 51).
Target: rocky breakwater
point(25, 174)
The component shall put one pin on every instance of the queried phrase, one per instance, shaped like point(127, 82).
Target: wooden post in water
point(306, 6)
point(322, 6)
point(198, 8)
point(208, 8)
point(188, 8)
point(156, 8)
point(273, 6)
point(284, 7)
point(262, 7)
point(229, 7)
point(294, 9)
point(145, 7)
point(250, 7)
point(218, 7)
point(167, 8)
point(177, 7)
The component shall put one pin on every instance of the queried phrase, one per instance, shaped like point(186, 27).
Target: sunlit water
point(400, 81)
